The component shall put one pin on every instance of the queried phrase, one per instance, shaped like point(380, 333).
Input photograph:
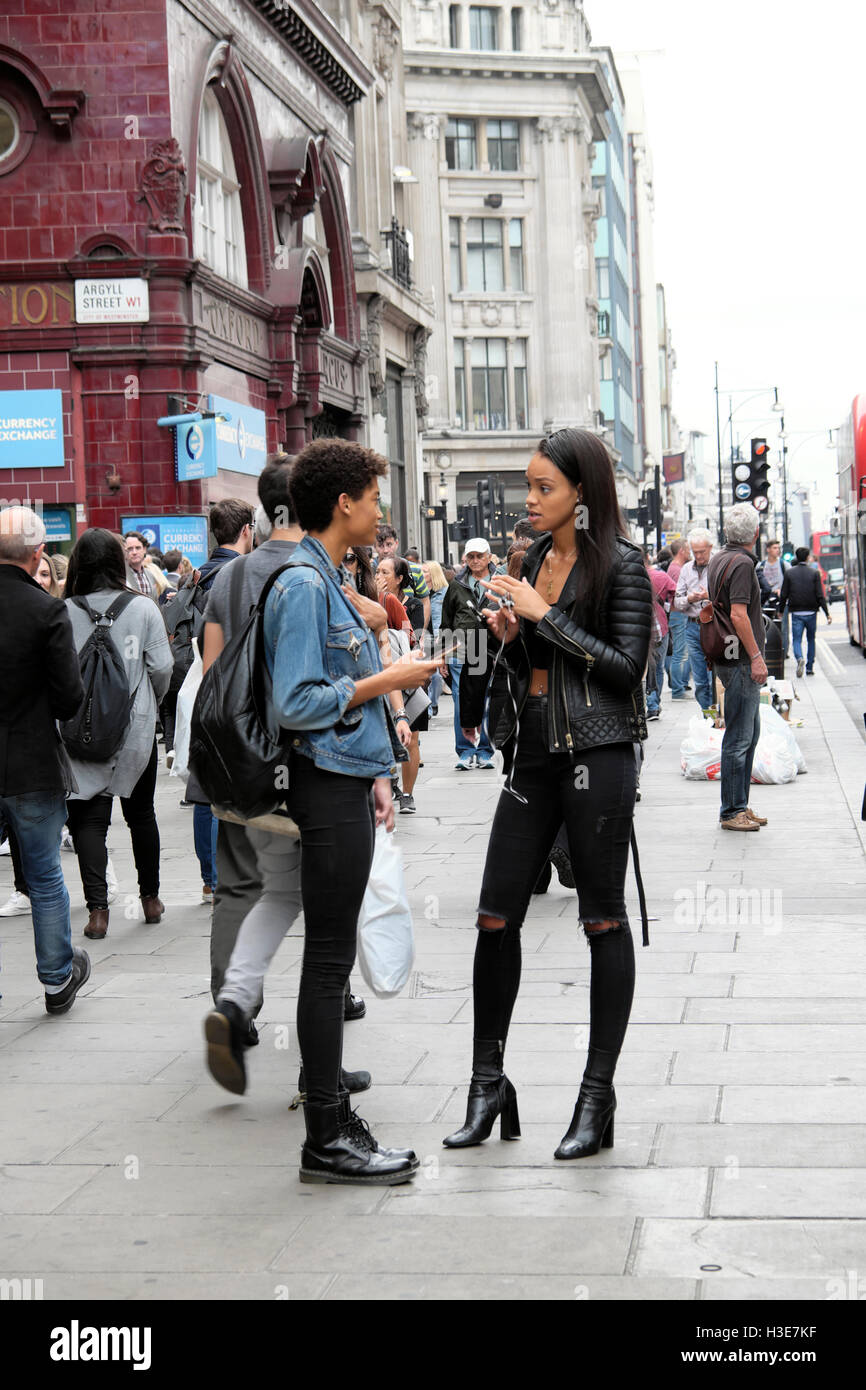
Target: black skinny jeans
point(88, 823)
point(336, 818)
point(593, 797)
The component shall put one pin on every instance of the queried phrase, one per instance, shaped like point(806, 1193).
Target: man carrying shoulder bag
point(737, 649)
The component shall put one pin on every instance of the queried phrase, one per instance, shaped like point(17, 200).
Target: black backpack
point(237, 747)
point(183, 616)
point(99, 727)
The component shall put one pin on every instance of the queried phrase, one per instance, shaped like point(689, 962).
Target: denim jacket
point(317, 646)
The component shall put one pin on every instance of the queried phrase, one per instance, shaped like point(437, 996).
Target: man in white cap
point(462, 620)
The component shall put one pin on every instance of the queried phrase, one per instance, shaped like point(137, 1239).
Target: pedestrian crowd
point(555, 655)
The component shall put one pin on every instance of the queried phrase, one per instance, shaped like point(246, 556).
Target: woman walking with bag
point(566, 699)
point(327, 687)
point(95, 586)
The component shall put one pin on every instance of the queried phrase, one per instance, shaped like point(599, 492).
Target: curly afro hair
point(323, 470)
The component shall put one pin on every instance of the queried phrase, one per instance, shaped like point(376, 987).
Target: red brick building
point(154, 141)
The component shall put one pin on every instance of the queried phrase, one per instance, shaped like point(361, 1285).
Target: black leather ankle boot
point(336, 1151)
point(591, 1125)
point(225, 1029)
point(352, 1120)
point(491, 1094)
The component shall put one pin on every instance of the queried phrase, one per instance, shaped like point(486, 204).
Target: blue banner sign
point(188, 534)
point(57, 522)
point(195, 451)
point(31, 429)
point(241, 439)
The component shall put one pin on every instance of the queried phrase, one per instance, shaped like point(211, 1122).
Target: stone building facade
point(504, 106)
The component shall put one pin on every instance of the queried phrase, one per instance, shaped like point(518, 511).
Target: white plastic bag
point(701, 751)
point(185, 701)
point(386, 948)
point(777, 757)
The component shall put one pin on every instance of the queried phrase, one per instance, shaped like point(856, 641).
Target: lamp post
point(443, 502)
point(751, 394)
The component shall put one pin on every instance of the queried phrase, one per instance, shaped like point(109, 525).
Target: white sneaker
point(17, 906)
point(111, 881)
point(4, 848)
point(66, 841)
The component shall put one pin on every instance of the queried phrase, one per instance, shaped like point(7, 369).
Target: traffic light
point(484, 490)
point(751, 480)
point(788, 552)
point(642, 515)
point(652, 502)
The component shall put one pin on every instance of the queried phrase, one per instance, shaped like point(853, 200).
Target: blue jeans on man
point(700, 671)
point(37, 819)
point(655, 676)
point(465, 750)
point(204, 830)
point(742, 731)
point(800, 623)
point(677, 662)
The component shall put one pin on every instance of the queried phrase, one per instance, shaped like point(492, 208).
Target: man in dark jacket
point(231, 521)
point(464, 599)
point(802, 594)
point(40, 683)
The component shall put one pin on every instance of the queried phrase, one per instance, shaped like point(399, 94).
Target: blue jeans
point(678, 656)
point(435, 690)
point(37, 819)
point(742, 730)
point(700, 673)
point(800, 623)
point(204, 830)
point(655, 676)
point(462, 746)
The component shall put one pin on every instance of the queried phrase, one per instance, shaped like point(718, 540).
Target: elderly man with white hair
point(690, 597)
point(733, 588)
point(41, 683)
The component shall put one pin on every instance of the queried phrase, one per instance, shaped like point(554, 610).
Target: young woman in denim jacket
point(328, 688)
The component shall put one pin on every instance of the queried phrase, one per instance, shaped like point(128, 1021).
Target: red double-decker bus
point(826, 546)
point(851, 453)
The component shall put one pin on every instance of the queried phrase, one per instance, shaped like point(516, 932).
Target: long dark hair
point(365, 580)
point(584, 459)
point(97, 562)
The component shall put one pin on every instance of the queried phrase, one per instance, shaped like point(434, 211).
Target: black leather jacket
point(597, 663)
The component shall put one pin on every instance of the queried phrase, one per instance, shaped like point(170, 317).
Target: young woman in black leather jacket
point(566, 707)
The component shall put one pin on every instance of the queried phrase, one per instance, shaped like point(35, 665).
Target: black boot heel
point(491, 1096)
point(591, 1125)
point(509, 1120)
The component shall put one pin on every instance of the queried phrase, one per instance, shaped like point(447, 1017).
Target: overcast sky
point(755, 114)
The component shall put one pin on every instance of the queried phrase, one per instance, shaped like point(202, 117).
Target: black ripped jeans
point(335, 815)
point(593, 796)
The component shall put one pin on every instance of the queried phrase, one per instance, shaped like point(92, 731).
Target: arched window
point(219, 224)
point(314, 235)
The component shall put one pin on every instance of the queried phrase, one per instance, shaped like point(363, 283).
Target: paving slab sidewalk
point(740, 1162)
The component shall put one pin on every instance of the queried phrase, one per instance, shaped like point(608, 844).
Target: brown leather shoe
point(97, 924)
point(153, 909)
point(739, 822)
point(759, 820)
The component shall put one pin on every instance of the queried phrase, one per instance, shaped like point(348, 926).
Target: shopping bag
point(386, 948)
point(185, 701)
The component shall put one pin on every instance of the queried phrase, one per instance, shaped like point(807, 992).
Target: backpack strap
point(122, 601)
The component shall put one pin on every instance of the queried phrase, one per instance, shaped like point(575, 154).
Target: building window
point(460, 144)
point(515, 253)
point(10, 130)
point(503, 145)
point(489, 411)
point(602, 275)
point(484, 260)
point(483, 28)
point(516, 30)
point(606, 366)
point(454, 253)
point(521, 399)
point(454, 26)
point(219, 228)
